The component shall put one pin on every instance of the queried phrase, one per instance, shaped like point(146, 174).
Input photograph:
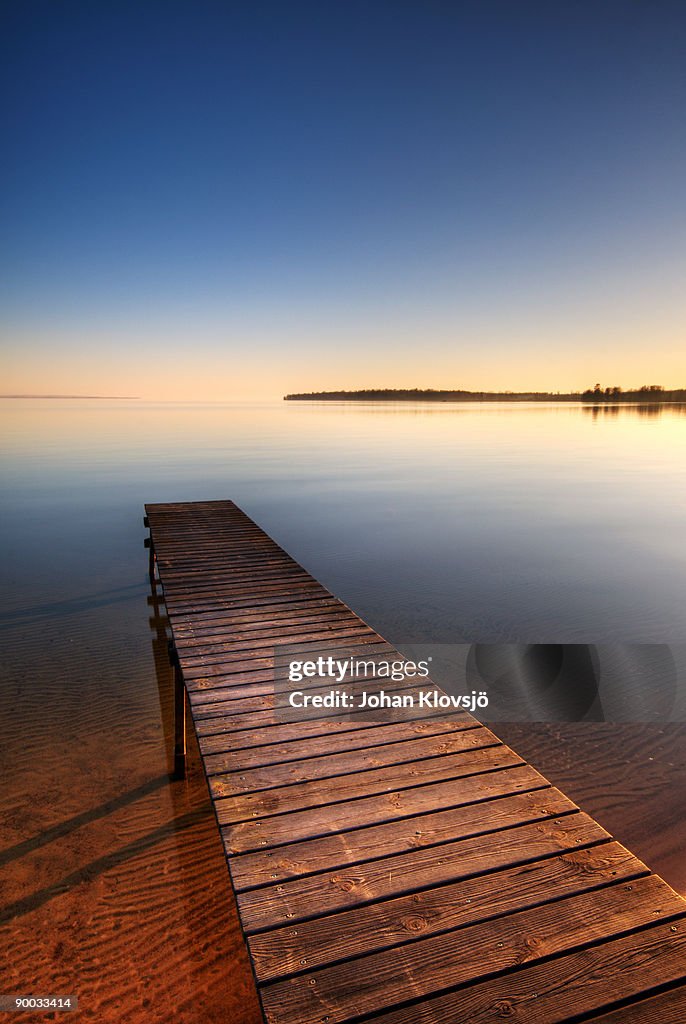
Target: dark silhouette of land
point(596, 395)
point(643, 395)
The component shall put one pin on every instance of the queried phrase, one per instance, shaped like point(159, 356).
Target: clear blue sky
point(213, 199)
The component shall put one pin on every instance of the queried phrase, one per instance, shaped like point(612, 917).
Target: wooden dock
point(413, 870)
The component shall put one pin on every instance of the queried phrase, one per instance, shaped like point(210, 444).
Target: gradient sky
point(221, 200)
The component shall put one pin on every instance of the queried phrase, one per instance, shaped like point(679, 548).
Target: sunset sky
point(215, 200)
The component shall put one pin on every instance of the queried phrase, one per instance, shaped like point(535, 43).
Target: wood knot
point(532, 942)
point(344, 884)
point(504, 1008)
point(413, 923)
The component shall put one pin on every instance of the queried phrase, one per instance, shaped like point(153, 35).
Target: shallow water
point(436, 523)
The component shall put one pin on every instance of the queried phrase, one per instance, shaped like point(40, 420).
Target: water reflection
point(648, 409)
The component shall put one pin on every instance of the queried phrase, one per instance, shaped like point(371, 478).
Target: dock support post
point(151, 548)
point(179, 716)
point(151, 560)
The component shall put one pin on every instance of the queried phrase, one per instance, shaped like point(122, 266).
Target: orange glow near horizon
point(206, 370)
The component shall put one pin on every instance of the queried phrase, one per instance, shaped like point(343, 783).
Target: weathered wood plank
point(219, 756)
point(265, 727)
point(232, 699)
point(207, 591)
point(665, 1008)
point(220, 570)
point(196, 649)
point(310, 824)
point(377, 926)
point(297, 795)
point(368, 882)
point(355, 785)
point(253, 627)
point(262, 683)
point(234, 580)
point(349, 641)
point(265, 587)
point(564, 987)
point(407, 972)
point(422, 831)
point(247, 615)
point(350, 761)
point(229, 597)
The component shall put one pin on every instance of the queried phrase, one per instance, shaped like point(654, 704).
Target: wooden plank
point(278, 799)
point(265, 727)
point(253, 626)
point(428, 965)
point(219, 756)
point(377, 926)
point(308, 783)
point(265, 639)
point(207, 577)
point(221, 631)
point(269, 592)
point(564, 987)
point(301, 598)
point(244, 617)
point(178, 522)
point(664, 1008)
point(226, 551)
point(408, 834)
point(219, 568)
point(264, 682)
point(344, 645)
point(191, 590)
point(357, 785)
point(350, 761)
point(244, 670)
point(328, 892)
point(309, 636)
point(211, 696)
point(261, 683)
point(201, 600)
point(231, 702)
point(227, 556)
point(289, 828)
point(262, 562)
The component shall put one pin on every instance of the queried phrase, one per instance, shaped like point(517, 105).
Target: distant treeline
point(646, 393)
point(431, 395)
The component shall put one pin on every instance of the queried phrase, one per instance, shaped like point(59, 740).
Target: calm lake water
point(437, 523)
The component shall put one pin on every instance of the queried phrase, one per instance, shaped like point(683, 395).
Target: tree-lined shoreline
point(596, 395)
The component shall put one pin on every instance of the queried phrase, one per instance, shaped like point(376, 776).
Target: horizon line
point(129, 397)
